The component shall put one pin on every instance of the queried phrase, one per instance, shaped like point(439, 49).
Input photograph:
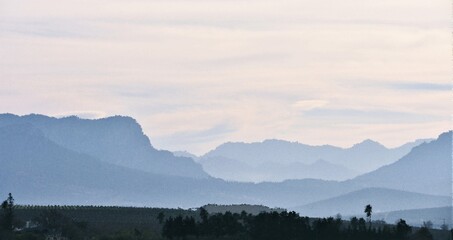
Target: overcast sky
point(197, 73)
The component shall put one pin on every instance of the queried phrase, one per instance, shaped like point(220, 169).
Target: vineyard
point(106, 219)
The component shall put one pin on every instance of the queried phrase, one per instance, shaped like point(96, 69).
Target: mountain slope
point(426, 169)
point(42, 172)
point(382, 200)
point(117, 140)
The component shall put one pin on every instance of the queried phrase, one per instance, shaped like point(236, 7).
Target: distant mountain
point(185, 154)
point(234, 170)
point(276, 160)
point(427, 168)
point(51, 161)
point(39, 171)
point(117, 140)
point(381, 199)
point(231, 170)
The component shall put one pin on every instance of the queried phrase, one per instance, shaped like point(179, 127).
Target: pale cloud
point(194, 138)
point(305, 105)
point(216, 71)
point(82, 114)
point(421, 86)
point(372, 116)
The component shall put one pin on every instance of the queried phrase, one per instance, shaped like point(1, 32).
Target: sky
point(198, 73)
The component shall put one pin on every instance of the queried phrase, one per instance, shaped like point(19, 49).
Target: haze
point(200, 73)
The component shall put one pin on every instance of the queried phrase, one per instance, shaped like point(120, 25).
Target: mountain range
point(110, 161)
point(277, 160)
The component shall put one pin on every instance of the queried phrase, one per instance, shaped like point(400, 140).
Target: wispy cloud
point(194, 139)
point(50, 28)
point(371, 116)
point(306, 105)
point(198, 73)
point(422, 86)
point(82, 114)
point(203, 135)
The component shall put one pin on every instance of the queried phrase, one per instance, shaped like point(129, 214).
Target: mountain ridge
point(358, 159)
point(39, 170)
point(118, 140)
point(425, 159)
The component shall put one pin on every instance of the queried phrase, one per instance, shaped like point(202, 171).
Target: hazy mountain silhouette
point(43, 162)
point(382, 200)
point(185, 154)
point(425, 169)
point(234, 170)
point(117, 140)
point(292, 160)
point(39, 171)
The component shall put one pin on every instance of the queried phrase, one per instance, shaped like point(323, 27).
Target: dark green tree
point(423, 234)
point(8, 213)
point(402, 229)
point(354, 224)
point(444, 227)
point(362, 224)
point(204, 215)
point(161, 217)
point(179, 227)
point(53, 220)
point(428, 224)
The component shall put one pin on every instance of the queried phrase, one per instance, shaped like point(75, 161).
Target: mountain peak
point(368, 143)
point(446, 136)
point(414, 171)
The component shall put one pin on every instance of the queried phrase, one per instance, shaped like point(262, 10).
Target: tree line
point(285, 226)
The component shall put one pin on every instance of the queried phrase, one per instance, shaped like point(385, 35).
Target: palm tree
point(368, 210)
